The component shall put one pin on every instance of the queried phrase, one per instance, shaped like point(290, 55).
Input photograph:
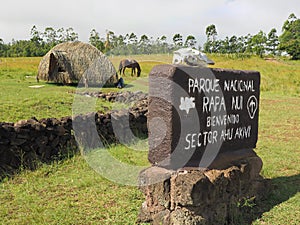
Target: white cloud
point(154, 18)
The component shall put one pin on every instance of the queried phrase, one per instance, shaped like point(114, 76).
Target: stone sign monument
point(203, 127)
point(201, 113)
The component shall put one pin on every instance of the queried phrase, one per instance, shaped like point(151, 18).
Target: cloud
point(229, 1)
point(154, 18)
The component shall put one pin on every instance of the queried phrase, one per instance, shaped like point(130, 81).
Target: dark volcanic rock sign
point(197, 113)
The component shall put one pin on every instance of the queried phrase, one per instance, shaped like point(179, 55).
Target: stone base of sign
point(194, 196)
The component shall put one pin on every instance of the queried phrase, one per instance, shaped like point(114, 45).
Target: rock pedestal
point(203, 127)
point(194, 196)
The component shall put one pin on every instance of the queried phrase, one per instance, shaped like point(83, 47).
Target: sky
point(151, 17)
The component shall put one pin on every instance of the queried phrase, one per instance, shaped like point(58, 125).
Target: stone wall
point(29, 142)
point(191, 196)
point(121, 97)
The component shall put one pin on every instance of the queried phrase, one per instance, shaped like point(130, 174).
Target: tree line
point(260, 44)
point(39, 44)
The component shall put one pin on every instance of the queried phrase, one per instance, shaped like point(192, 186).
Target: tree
point(211, 33)
point(108, 44)
point(163, 39)
point(242, 44)
point(258, 43)
point(50, 36)
point(211, 37)
point(160, 45)
point(35, 35)
point(177, 40)
point(224, 45)
point(95, 40)
point(119, 41)
point(190, 41)
point(133, 38)
point(144, 44)
point(272, 41)
point(290, 38)
point(36, 45)
point(3, 48)
point(69, 35)
point(233, 44)
point(164, 47)
point(247, 43)
point(132, 44)
point(119, 46)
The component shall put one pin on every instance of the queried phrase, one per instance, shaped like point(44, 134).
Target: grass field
point(70, 192)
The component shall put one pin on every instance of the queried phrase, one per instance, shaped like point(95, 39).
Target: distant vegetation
point(260, 44)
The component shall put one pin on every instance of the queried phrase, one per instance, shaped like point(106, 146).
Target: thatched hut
point(74, 62)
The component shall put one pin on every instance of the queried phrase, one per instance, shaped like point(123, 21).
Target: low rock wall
point(28, 142)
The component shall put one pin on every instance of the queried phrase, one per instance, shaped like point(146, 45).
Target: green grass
point(20, 101)
point(67, 193)
point(278, 75)
point(71, 192)
point(278, 146)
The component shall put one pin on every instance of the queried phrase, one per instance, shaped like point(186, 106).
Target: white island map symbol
point(187, 103)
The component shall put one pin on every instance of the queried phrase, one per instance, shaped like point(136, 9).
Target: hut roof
point(69, 62)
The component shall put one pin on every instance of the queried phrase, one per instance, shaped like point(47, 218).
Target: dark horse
point(127, 63)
